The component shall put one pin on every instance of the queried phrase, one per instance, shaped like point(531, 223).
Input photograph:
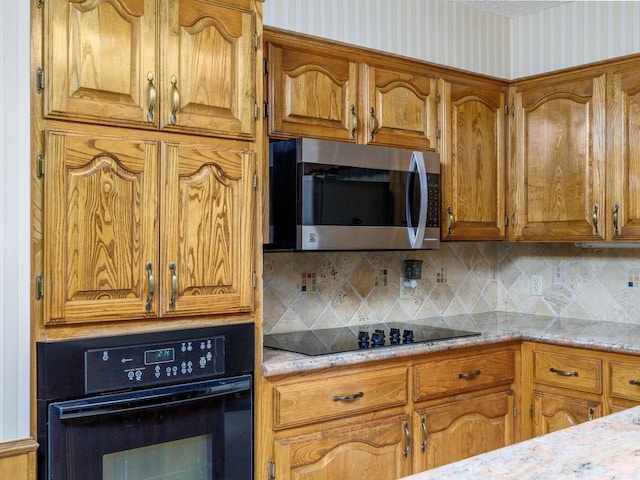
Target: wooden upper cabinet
point(324, 90)
point(182, 65)
point(101, 227)
point(400, 110)
point(126, 239)
point(312, 94)
point(207, 228)
point(623, 176)
point(97, 57)
point(473, 161)
point(557, 173)
point(207, 68)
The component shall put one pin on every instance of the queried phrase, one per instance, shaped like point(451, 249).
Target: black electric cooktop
point(360, 337)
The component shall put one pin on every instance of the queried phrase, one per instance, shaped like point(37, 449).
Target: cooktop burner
point(345, 339)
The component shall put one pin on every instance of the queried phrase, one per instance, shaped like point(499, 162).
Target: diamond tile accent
point(321, 290)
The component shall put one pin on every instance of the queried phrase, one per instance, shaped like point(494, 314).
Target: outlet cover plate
point(535, 287)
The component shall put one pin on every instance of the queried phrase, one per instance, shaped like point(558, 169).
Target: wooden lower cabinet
point(552, 412)
point(375, 449)
point(463, 428)
point(389, 419)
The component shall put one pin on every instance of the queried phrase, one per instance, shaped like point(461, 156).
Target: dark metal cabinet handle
point(596, 210)
point(592, 414)
point(634, 382)
point(407, 438)
point(348, 398)
point(469, 375)
point(451, 220)
point(564, 373)
point(616, 211)
point(152, 286)
point(374, 125)
point(151, 95)
point(354, 122)
point(425, 434)
point(175, 100)
point(174, 286)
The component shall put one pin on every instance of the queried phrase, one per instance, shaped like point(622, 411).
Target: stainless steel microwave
point(327, 195)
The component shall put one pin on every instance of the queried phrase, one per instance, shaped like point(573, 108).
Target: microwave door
point(416, 230)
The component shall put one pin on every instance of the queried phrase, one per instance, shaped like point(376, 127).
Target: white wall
point(456, 35)
point(14, 220)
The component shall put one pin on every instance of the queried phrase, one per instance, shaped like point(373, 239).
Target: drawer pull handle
point(348, 398)
point(634, 382)
point(469, 375)
point(564, 373)
point(592, 414)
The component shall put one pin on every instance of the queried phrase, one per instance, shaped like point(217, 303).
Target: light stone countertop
point(495, 327)
point(607, 448)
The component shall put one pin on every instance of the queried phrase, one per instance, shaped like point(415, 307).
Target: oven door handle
point(150, 398)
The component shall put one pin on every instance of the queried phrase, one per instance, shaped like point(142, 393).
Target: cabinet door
point(552, 412)
point(401, 108)
point(376, 449)
point(206, 228)
point(557, 174)
point(208, 72)
point(473, 162)
point(98, 55)
point(623, 207)
point(461, 429)
point(100, 227)
point(312, 95)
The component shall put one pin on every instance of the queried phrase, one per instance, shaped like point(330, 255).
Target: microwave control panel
point(119, 368)
point(433, 200)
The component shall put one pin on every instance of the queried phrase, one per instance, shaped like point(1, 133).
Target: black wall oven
point(163, 406)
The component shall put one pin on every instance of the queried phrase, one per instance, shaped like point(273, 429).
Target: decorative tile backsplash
point(330, 289)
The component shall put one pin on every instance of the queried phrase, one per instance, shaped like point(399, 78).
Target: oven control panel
point(117, 368)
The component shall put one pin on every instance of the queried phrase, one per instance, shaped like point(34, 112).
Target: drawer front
point(454, 375)
point(625, 380)
point(326, 398)
point(576, 372)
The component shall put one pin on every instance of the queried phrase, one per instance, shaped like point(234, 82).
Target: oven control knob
point(203, 362)
point(130, 374)
point(407, 336)
point(138, 375)
point(377, 338)
point(363, 339)
point(394, 336)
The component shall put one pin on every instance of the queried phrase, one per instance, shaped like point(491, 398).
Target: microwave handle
point(417, 235)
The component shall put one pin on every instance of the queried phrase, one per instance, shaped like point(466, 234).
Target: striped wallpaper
point(456, 35)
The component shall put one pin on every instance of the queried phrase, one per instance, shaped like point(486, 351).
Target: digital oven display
point(159, 355)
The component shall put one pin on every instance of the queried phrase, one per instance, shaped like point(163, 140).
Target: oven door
point(197, 431)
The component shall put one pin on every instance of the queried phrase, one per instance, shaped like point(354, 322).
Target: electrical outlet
point(405, 292)
point(535, 287)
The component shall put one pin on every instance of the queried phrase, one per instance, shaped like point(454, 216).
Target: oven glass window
point(187, 459)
